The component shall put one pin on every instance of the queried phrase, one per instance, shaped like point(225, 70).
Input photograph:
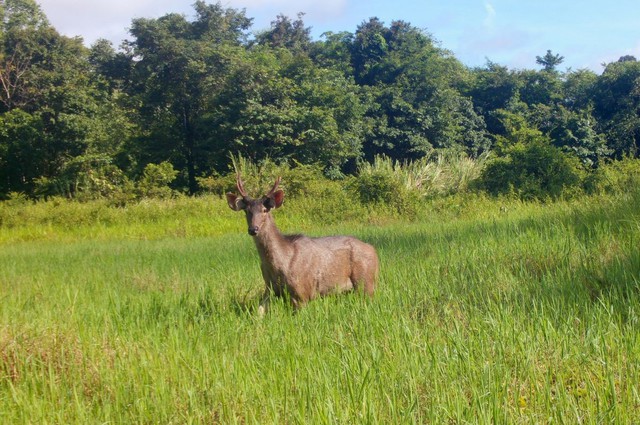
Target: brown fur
point(300, 266)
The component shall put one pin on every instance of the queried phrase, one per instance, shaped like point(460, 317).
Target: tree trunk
point(189, 143)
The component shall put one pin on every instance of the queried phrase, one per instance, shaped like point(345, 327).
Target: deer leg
point(264, 303)
point(364, 279)
point(295, 304)
point(369, 285)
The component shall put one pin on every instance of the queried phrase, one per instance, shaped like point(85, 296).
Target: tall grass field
point(487, 311)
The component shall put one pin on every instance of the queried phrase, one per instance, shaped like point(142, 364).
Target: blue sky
point(509, 32)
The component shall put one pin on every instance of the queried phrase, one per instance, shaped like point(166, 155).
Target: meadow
point(488, 311)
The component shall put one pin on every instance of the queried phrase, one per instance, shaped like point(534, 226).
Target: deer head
point(256, 210)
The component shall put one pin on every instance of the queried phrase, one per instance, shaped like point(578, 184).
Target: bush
point(403, 186)
point(614, 177)
point(156, 179)
point(383, 185)
point(327, 202)
point(309, 194)
point(298, 180)
point(214, 184)
point(86, 178)
point(536, 170)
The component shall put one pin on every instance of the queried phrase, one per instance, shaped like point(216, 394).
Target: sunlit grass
point(487, 312)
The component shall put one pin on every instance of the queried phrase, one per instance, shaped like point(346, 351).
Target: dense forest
point(182, 94)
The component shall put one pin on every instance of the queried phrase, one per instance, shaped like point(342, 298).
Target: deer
point(299, 267)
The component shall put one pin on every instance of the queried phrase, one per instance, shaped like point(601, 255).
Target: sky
point(507, 32)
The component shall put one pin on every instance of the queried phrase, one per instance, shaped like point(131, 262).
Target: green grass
point(487, 312)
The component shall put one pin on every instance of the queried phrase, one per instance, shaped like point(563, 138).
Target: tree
point(52, 107)
point(549, 61)
point(412, 88)
point(22, 157)
point(24, 32)
point(279, 105)
point(493, 88)
point(574, 131)
point(528, 164)
point(287, 34)
point(114, 67)
point(539, 87)
point(177, 66)
point(617, 106)
point(334, 52)
point(578, 89)
point(369, 49)
point(627, 58)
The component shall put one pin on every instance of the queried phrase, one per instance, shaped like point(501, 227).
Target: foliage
point(528, 165)
point(188, 90)
point(549, 61)
point(539, 87)
point(280, 105)
point(573, 131)
point(25, 33)
point(156, 179)
point(535, 170)
point(54, 111)
point(617, 106)
point(86, 178)
point(614, 177)
point(493, 88)
point(403, 187)
point(178, 64)
point(148, 314)
point(412, 92)
point(287, 34)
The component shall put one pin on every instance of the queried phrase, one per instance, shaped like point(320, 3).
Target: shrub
point(298, 180)
point(87, 178)
point(402, 186)
point(614, 177)
point(215, 184)
point(155, 180)
point(536, 170)
point(384, 184)
point(327, 202)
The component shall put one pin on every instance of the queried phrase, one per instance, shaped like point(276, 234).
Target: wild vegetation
point(182, 93)
point(488, 310)
point(503, 204)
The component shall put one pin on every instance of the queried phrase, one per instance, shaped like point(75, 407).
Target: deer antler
point(240, 186)
point(275, 187)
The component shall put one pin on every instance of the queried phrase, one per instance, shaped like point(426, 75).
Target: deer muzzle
point(253, 230)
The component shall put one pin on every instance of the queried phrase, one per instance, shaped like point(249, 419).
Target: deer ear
point(278, 198)
point(234, 201)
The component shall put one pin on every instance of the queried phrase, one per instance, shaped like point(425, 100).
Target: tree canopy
point(187, 92)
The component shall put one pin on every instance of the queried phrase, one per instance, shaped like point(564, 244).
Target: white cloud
point(93, 19)
point(110, 19)
point(490, 16)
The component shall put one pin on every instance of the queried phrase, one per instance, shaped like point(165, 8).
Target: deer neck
point(272, 246)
